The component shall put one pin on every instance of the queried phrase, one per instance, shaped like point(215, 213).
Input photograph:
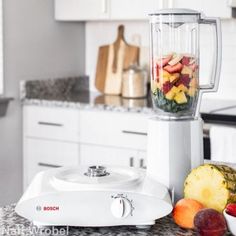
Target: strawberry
point(185, 61)
point(231, 209)
point(184, 79)
point(167, 87)
point(172, 69)
point(163, 61)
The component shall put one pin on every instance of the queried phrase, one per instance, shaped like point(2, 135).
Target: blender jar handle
point(215, 77)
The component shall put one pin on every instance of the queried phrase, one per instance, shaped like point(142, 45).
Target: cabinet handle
point(104, 6)
point(133, 132)
point(141, 165)
point(131, 162)
point(48, 165)
point(49, 124)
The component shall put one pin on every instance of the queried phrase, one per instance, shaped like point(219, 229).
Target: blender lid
point(96, 177)
point(175, 11)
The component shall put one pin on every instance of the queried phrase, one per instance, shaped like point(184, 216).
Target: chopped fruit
point(167, 87)
point(180, 98)
point(164, 61)
point(187, 71)
point(170, 95)
point(192, 91)
point(164, 73)
point(175, 84)
point(185, 61)
point(184, 212)
point(183, 88)
point(172, 69)
point(193, 83)
point(174, 77)
point(212, 185)
point(231, 209)
point(209, 222)
point(175, 59)
point(175, 89)
point(184, 79)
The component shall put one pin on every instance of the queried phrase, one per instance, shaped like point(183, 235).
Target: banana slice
point(177, 58)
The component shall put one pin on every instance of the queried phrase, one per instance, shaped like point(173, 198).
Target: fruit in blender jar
point(180, 98)
point(175, 59)
point(164, 61)
point(174, 71)
point(212, 185)
point(186, 70)
point(185, 60)
point(175, 68)
point(231, 209)
point(209, 222)
point(184, 212)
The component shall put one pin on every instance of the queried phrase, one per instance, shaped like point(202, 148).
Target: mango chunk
point(183, 88)
point(180, 98)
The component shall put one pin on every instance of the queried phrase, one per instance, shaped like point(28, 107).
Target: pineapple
point(212, 185)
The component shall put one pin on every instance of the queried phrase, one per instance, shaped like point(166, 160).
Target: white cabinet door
point(210, 8)
point(101, 155)
point(134, 9)
point(82, 10)
point(42, 154)
point(114, 129)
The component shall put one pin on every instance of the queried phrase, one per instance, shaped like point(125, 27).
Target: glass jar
point(174, 37)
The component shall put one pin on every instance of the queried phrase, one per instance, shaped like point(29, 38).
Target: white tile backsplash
point(137, 32)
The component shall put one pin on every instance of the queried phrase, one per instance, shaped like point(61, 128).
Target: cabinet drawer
point(51, 123)
point(114, 129)
point(44, 154)
point(98, 155)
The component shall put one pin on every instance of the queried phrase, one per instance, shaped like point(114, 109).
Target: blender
point(175, 134)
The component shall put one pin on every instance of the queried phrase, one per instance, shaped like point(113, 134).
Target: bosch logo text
point(51, 208)
point(47, 208)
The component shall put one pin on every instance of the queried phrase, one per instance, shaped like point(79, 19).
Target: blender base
point(174, 148)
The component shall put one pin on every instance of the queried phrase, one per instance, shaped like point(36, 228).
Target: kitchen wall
point(137, 32)
point(35, 47)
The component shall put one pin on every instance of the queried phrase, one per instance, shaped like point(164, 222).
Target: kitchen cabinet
point(81, 10)
point(51, 139)
point(110, 156)
point(55, 137)
point(114, 129)
point(134, 9)
point(211, 8)
point(89, 10)
point(42, 154)
point(95, 10)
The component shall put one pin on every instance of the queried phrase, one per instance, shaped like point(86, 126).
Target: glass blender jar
point(175, 133)
point(174, 50)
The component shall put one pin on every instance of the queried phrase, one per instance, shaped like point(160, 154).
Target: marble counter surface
point(74, 93)
point(12, 224)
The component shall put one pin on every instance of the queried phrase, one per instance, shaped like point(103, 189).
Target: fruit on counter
point(209, 222)
point(175, 71)
point(231, 209)
point(212, 185)
point(184, 212)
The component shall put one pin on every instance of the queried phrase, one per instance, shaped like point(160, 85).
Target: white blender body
point(95, 197)
point(174, 148)
point(175, 135)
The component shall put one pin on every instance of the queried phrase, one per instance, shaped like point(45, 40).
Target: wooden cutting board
point(112, 60)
